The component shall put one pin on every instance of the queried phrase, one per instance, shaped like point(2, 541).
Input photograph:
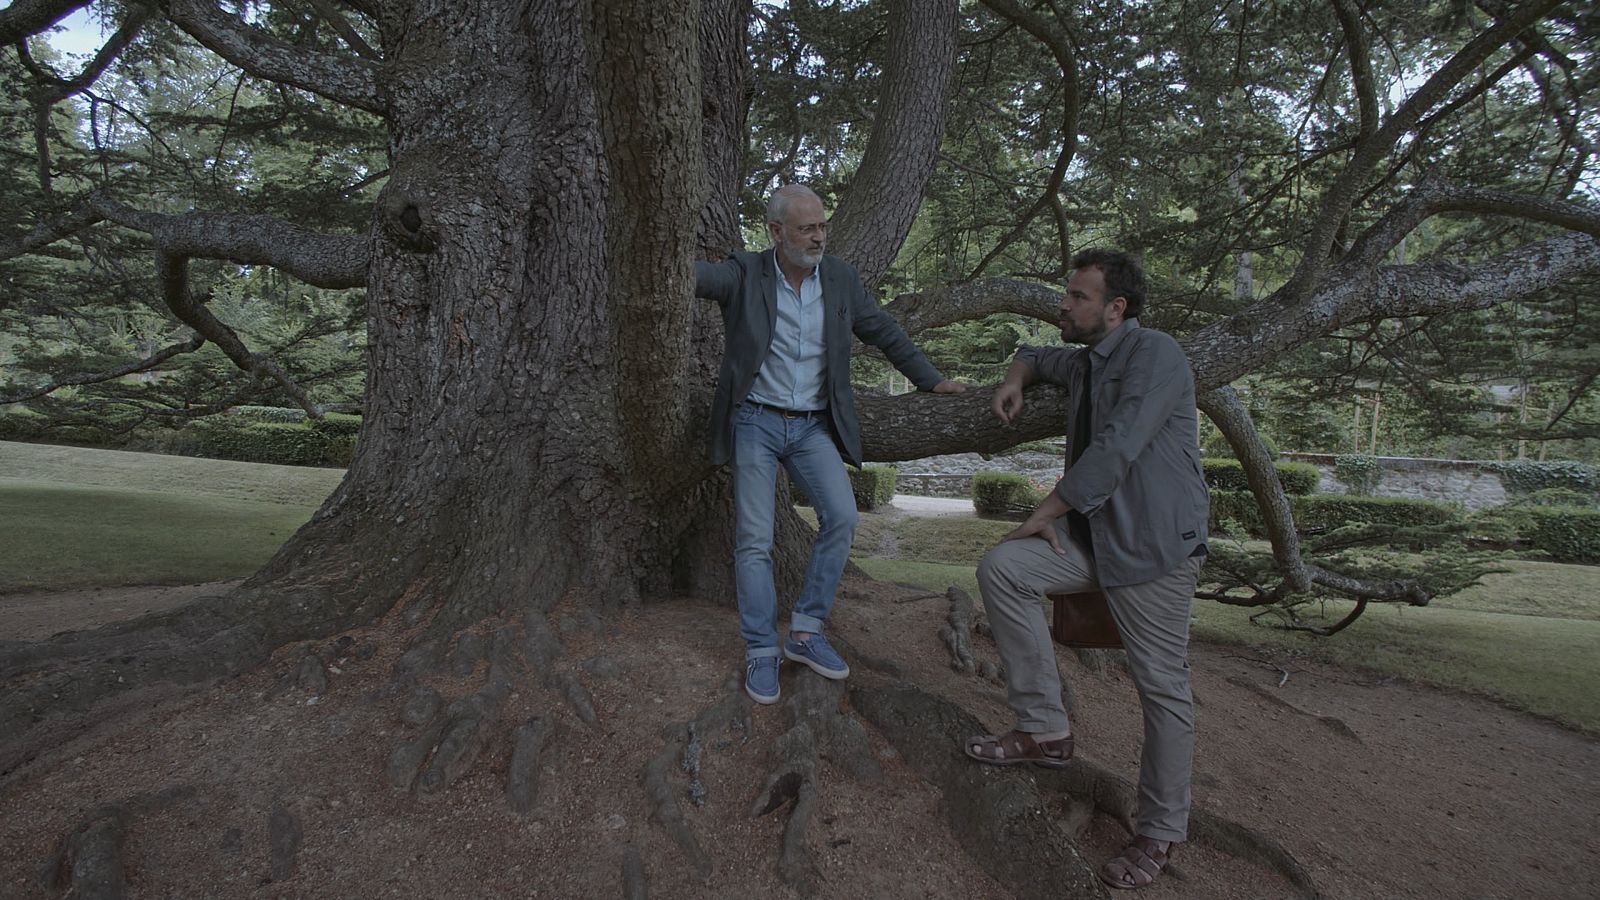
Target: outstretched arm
point(717, 281)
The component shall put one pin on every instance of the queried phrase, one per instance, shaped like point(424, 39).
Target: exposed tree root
point(1241, 842)
point(859, 657)
point(443, 746)
point(635, 883)
point(997, 814)
point(957, 632)
point(1098, 660)
point(1332, 723)
point(576, 695)
point(793, 777)
point(522, 778)
point(284, 836)
point(732, 708)
point(87, 863)
point(1115, 796)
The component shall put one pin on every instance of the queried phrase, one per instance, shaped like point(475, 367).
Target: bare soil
point(1379, 788)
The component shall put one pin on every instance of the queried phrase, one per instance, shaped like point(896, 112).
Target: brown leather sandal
point(1139, 865)
point(1015, 748)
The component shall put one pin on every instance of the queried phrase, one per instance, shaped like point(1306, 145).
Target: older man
point(1127, 518)
point(784, 398)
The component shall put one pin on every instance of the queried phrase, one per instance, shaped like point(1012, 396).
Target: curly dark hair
point(1124, 276)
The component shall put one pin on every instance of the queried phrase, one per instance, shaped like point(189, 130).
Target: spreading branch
point(1342, 194)
point(875, 216)
point(172, 271)
point(346, 32)
point(1050, 33)
point(916, 425)
point(1229, 414)
point(972, 300)
point(350, 80)
point(189, 346)
point(327, 261)
point(78, 217)
point(26, 18)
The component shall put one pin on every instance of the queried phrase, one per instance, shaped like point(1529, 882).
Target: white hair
point(778, 205)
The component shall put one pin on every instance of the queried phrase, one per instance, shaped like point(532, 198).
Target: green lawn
point(1543, 664)
point(61, 535)
point(75, 517)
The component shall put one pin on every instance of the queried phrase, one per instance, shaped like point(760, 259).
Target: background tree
point(537, 376)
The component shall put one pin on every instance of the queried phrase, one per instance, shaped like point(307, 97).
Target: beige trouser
point(1154, 620)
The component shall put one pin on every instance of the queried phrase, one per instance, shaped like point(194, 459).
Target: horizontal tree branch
point(80, 216)
point(328, 261)
point(172, 271)
point(973, 300)
point(1356, 291)
point(192, 344)
point(346, 79)
point(25, 18)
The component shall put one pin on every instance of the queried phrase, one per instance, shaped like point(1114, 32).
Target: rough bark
point(877, 208)
point(24, 18)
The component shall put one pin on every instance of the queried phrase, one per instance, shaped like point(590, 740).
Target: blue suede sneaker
point(815, 652)
point(761, 679)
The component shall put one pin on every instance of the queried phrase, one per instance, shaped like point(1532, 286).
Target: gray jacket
point(745, 286)
point(1139, 480)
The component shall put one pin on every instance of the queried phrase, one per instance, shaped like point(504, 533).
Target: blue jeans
point(762, 439)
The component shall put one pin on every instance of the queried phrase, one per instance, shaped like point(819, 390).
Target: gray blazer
point(745, 286)
point(1139, 480)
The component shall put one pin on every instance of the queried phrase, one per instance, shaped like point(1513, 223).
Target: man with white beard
point(784, 397)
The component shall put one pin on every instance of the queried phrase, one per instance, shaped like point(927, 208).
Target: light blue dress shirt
point(792, 375)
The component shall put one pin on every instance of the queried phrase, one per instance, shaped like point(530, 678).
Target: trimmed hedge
point(21, 425)
point(269, 413)
point(280, 443)
point(998, 493)
point(1228, 475)
point(1325, 512)
point(1216, 445)
point(337, 424)
point(1233, 511)
point(1569, 534)
point(873, 486)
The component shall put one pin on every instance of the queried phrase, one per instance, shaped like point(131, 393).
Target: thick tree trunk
point(496, 421)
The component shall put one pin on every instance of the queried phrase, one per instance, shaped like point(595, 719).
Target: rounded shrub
point(1003, 493)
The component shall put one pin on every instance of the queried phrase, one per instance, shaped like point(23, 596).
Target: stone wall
point(951, 476)
point(1449, 480)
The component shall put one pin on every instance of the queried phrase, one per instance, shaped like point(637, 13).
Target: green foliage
point(269, 413)
point(873, 486)
point(1236, 513)
point(1568, 534)
point(1216, 446)
point(282, 443)
point(1524, 476)
point(1228, 475)
point(1359, 473)
point(1326, 512)
point(21, 424)
point(1003, 493)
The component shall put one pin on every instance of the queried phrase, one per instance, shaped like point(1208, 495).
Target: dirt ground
point(1379, 788)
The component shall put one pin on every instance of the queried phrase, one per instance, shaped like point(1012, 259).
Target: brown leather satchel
point(1084, 620)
